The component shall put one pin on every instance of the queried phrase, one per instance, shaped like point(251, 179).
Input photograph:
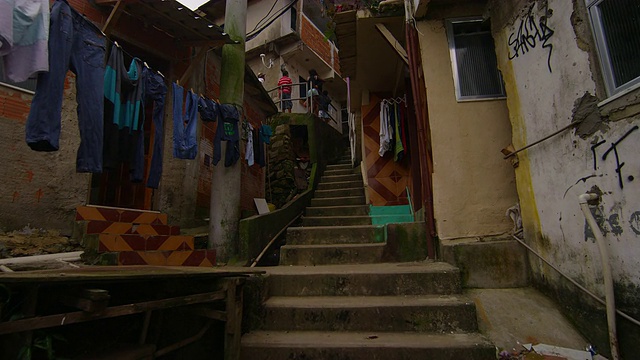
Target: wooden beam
point(113, 17)
point(42, 322)
point(233, 326)
point(395, 44)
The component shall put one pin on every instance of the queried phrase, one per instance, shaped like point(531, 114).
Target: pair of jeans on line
point(78, 45)
point(185, 145)
point(156, 91)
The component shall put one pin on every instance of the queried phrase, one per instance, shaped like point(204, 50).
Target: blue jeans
point(185, 144)
point(156, 90)
point(78, 45)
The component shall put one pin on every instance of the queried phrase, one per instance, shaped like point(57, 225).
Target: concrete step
point(424, 313)
point(335, 172)
point(353, 234)
point(384, 279)
point(331, 254)
point(335, 220)
point(348, 210)
point(339, 167)
point(341, 185)
point(317, 345)
point(340, 178)
point(338, 201)
point(357, 191)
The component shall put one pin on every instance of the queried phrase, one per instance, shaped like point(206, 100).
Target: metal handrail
point(310, 98)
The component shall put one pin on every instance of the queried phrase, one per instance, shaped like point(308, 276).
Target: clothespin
point(146, 65)
point(116, 44)
point(178, 82)
point(159, 73)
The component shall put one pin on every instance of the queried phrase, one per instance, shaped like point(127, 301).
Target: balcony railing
point(310, 102)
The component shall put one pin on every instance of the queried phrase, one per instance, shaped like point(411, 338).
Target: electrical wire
point(266, 16)
point(252, 34)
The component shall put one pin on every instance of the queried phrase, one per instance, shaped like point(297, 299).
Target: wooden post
point(233, 326)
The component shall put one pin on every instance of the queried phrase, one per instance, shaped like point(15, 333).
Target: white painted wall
point(256, 11)
point(553, 174)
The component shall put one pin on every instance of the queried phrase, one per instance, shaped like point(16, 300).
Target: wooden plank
point(42, 322)
point(123, 273)
point(113, 17)
point(395, 44)
point(210, 313)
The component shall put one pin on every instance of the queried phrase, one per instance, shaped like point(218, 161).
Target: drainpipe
point(606, 271)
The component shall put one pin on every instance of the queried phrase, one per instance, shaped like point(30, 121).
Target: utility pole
point(225, 186)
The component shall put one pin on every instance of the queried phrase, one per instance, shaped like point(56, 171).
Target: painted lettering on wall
point(530, 33)
point(614, 148)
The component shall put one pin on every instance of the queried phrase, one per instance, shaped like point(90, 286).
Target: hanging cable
point(252, 34)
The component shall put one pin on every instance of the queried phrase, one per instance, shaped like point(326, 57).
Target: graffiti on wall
point(530, 33)
point(612, 221)
point(613, 148)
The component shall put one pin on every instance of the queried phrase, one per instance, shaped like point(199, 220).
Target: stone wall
point(281, 183)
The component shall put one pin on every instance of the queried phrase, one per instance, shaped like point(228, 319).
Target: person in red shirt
point(284, 89)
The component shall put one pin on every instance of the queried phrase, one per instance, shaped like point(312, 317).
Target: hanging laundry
point(249, 154)
point(185, 145)
point(76, 44)
point(156, 91)
point(398, 152)
point(208, 109)
point(258, 149)
point(124, 90)
point(266, 133)
point(24, 35)
point(123, 116)
point(385, 129)
point(227, 131)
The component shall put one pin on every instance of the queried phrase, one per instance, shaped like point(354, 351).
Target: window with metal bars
point(616, 29)
point(473, 60)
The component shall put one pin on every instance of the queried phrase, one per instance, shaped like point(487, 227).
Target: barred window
point(616, 29)
point(473, 60)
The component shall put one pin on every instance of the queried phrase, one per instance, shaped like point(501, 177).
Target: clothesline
point(396, 100)
point(114, 42)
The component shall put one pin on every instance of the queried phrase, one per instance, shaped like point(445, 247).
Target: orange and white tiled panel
point(99, 213)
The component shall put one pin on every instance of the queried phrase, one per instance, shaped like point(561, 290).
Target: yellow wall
point(473, 186)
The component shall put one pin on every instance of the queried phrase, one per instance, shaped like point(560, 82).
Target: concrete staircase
point(352, 305)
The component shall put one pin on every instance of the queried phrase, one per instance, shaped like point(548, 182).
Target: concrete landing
point(522, 315)
point(319, 345)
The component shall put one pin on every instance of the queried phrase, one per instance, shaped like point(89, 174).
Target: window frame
point(454, 62)
point(602, 48)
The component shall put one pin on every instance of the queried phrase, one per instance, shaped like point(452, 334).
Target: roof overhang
point(188, 28)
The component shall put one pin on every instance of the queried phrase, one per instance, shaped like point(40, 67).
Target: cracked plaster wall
point(546, 55)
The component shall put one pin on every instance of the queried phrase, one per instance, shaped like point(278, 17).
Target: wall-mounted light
point(265, 64)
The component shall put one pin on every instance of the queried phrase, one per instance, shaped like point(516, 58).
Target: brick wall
point(39, 189)
point(315, 40)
